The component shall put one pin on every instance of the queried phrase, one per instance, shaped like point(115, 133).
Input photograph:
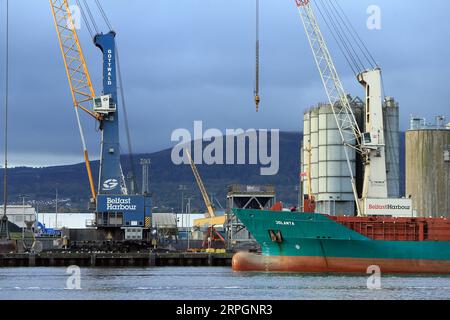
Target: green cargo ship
point(310, 242)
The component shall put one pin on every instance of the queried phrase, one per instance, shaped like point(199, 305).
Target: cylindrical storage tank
point(392, 146)
point(304, 152)
point(305, 145)
point(428, 170)
point(330, 176)
point(310, 149)
point(314, 146)
point(335, 194)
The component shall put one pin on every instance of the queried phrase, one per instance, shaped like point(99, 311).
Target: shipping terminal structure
point(353, 217)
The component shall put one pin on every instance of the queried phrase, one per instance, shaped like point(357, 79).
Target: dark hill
point(165, 177)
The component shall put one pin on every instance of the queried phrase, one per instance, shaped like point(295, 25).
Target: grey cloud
point(194, 60)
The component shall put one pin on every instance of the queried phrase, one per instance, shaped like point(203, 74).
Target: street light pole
point(23, 218)
point(56, 210)
point(145, 164)
point(189, 230)
point(298, 190)
point(23, 197)
point(188, 210)
point(182, 188)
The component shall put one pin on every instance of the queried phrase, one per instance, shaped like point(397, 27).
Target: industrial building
point(428, 167)
point(166, 226)
point(22, 216)
point(245, 197)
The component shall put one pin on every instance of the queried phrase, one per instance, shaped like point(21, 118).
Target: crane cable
point(256, 90)
point(127, 128)
point(105, 17)
point(89, 17)
point(340, 45)
point(83, 15)
point(344, 34)
point(88, 9)
point(347, 38)
point(340, 38)
point(364, 48)
point(5, 169)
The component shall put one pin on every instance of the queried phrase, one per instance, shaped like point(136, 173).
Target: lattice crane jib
point(201, 186)
point(348, 127)
point(77, 71)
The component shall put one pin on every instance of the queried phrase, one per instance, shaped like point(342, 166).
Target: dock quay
point(63, 259)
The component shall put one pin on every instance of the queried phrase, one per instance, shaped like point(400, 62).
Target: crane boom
point(201, 186)
point(77, 72)
point(348, 127)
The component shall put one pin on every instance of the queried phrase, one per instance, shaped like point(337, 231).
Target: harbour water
point(200, 283)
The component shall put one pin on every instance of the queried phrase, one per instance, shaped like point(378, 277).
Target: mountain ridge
point(164, 179)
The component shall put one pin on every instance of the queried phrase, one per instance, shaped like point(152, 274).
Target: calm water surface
point(179, 283)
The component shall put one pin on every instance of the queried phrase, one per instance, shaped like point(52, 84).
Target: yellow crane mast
point(201, 186)
point(211, 219)
point(77, 72)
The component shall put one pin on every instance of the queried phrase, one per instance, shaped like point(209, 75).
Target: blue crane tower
point(124, 216)
point(115, 208)
point(111, 180)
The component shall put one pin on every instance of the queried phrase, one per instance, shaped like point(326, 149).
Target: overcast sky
point(194, 60)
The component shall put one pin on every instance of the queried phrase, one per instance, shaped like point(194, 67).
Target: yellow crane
point(201, 186)
point(211, 219)
point(77, 72)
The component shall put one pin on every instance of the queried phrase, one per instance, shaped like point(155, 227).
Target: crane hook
point(257, 101)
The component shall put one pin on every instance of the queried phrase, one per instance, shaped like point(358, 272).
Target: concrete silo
point(428, 167)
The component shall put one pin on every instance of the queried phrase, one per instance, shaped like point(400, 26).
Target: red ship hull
point(244, 261)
